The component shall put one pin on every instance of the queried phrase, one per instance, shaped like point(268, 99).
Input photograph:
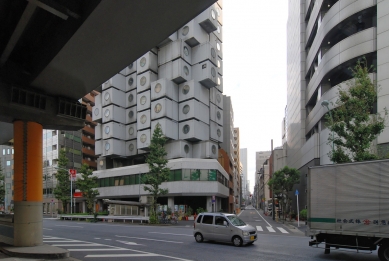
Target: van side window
point(199, 219)
point(207, 219)
point(219, 221)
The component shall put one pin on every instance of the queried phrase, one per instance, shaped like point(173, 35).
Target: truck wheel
point(383, 252)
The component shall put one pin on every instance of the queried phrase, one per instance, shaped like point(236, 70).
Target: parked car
point(223, 227)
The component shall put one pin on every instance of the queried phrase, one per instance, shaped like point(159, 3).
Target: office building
point(7, 168)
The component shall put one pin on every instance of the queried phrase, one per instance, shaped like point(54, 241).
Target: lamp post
point(325, 103)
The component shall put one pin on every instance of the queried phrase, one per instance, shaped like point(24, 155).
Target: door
point(221, 231)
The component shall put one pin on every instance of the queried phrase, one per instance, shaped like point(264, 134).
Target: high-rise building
point(325, 39)
point(7, 168)
point(245, 181)
point(178, 86)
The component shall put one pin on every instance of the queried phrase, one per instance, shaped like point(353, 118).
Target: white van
point(223, 227)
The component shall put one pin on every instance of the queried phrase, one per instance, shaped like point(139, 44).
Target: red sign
point(73, 174)
point(77, 195)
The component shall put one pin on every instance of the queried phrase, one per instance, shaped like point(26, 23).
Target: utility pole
point(271, 175)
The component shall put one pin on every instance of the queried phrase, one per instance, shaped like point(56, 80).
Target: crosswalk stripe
point(270, 229)
point(282, 230)
point(259, 228)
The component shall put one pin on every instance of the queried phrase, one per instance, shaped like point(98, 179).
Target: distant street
point(118, 241)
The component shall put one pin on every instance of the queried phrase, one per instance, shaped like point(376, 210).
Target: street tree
point(88, 184)
point(281, 183)
point(62, 190)
point(353, 122)
point(2, 185)
point(158, 171)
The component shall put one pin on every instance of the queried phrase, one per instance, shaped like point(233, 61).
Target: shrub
point(200, 210)
point(303, 214)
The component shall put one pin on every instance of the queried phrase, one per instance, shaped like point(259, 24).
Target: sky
point(254, 72)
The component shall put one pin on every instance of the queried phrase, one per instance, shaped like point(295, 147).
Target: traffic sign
point(73, 174)
point(213, 199)
point(296, 193)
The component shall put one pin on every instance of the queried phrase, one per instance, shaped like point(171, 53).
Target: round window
point(107, 129)
point(213, 14)
point(185, 30)
point(218, 98)
point(142, 62)
point(186, 148)
point(106, 113)
point(213, 52)
point(186, 51)
point(186, 129)
point(131, 130)
point(130, 114)
point(213, 72)
point(218, 47)
point(218, 115)
point(143, 138)
point(107, 146)
point(143, 100)
point(130, 66)
point(218, 81)
point(157, 87)
point(219, 133)
point(130, 98)
point(130, 81)
point(97, 111)
point(186, 109)
point(158, 108)
point(131, 147)
point(185, 89)
point(143, 80)
point(218, 64)
point(106, 96)
point(143, 119)
point(186, 70)
point(213, 149)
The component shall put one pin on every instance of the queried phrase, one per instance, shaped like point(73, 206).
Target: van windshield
point(236, 221)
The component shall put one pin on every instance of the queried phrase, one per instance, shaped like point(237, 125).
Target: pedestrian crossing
point(272, 229)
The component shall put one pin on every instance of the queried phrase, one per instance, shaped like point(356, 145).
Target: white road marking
point(129, 243)
point(122, 255)
point(282, 230)
point(107, 239)
point(152, 239)
point(258, 220)
point(171, 234)
point(61, 241)
point(109, 249)
point(263, 218)
point(270, 229)
point(259, 228)
point(47, 228)
point(89, 244)
point(97, 238)
point(67, 226)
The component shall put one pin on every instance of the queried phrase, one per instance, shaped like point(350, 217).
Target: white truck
point(348, 206)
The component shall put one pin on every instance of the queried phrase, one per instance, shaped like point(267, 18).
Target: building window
point(8, 163)
point(9, 151)
point(3, 151)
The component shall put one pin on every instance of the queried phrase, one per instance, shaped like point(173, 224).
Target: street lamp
point(325, 103)
point(71, 186)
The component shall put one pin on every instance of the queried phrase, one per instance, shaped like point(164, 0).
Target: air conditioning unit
point(164, 108)
point(117, 81)
point(113, 147)
point(193, 130)
point(173, 51)
point(178, 71)
point(143, 101)
point(218, 32)
point(114, 130)
point(193, 34)
point(131, 130)
point(98, 132)
point(216, 97)
point(97, 113)
point(131, 68)
point(208, 19)
point(169, 128)
point(143, 120)
point(147, 62)
point(98, 147)
point(216, 132)
point(168, 40)
point(178, 149)
point(113, 113)
point(131, 148)
point(131, 98)
point(205, 150)
point(204, 52)
point(216, 114)
point(206, 74)
point(131, 82)
point(131, 115)
point(113, 96)
point(164, 88)
point(193, 89)
point(193, 109)
point(144, 81)
point(219, 66)
point(143, 139)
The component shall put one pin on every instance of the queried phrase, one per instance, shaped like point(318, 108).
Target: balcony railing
point(90, 152)
point(90, 163)
point(85, 139)
point(89, 130)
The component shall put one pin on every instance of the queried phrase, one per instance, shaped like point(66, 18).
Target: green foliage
point(189, 211)
point(303, 214)
point(62, 190)
point(353, 122)
point(88, 184)
point(2, 185)
point(158, 172)
point(169, 211)
point(200, 210)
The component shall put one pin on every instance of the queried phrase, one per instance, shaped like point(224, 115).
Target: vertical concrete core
point(28, 185)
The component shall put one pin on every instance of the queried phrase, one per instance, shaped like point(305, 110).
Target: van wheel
point(237, 241)
point(199, 238)
point(383, 252)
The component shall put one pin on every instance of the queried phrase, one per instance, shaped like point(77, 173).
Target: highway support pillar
point(28, 184)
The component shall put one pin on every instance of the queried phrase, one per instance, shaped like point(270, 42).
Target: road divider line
point(122, 255)
point(66, 245)
point(270, 229)
point(95, 249)
point(259, 228)
point(152, 239)
point(282, 230)
point(263, 218)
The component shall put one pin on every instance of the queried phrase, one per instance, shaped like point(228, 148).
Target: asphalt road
point(117, 241)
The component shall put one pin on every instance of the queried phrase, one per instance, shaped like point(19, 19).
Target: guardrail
point(124, 219)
